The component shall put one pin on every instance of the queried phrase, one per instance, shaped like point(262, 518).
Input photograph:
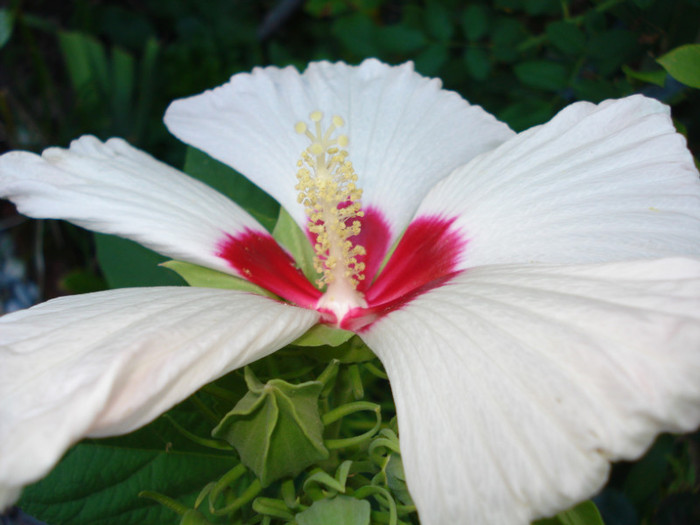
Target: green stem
point(209, 443)
point(375, 370)
point(358, 390)
point(272, 507)
point(165, 501)
point(328, 376)
point(221, 393)
point(344, 410)
point(289, 493)
point(205, 410)
point(383, 497)
point(248, 494)
point(224, 482)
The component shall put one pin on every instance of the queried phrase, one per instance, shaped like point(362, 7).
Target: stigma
point(327, 185)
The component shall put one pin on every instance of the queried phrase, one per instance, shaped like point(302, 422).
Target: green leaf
point(125, 264)
point(596, 89)
point(146, 85)
point(506, 34)
point(438, 20)
point(357, 34)
point(288, 233)
point(430, 61)
point(542, 74)
point(653, 77)
point(525, 114)
point(87, 65)
point(542, 7)
point(585, 513)
point(477, 62)
point(341, 510)
point(122, 90)
point(610, 49)
point(276, 428)
point(203, 277)
point(234, 185)
point(325, 8)
point(475, 21)
point(99, 483)
point(7, 23)
point(683, 64)
point(398, 38)
point(646, 476)
point(508, 5)
point(82, 281)
point(566, 37)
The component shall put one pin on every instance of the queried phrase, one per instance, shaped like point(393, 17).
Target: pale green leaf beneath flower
point(288, 234)
point(321, 334)
point(202, 277)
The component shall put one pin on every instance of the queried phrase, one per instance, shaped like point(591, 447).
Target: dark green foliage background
point(110, 68)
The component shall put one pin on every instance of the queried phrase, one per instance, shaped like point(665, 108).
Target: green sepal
point(341, 510)
point(585, 513)
point(683, 64)
point(276, 428)
point(203, 277)
point(288, 234)
point(353, 350)
point(323, 335)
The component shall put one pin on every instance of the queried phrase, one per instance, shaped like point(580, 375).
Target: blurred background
point(110, 68)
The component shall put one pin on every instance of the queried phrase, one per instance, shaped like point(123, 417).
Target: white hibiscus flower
point(538, 318)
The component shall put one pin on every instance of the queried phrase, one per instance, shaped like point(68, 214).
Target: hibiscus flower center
point(328, 190)
point(350, 243)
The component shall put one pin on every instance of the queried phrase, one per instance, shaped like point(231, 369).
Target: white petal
point(106, 363)
point(516, 385)
point(405, 132)
point(597, 183)
point(114, 188)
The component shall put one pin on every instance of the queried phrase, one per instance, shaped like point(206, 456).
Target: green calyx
point(276, 428)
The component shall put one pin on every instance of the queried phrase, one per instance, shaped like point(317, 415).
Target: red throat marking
point(425, 258)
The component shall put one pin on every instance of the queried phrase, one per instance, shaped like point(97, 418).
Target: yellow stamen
point(328, 189)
